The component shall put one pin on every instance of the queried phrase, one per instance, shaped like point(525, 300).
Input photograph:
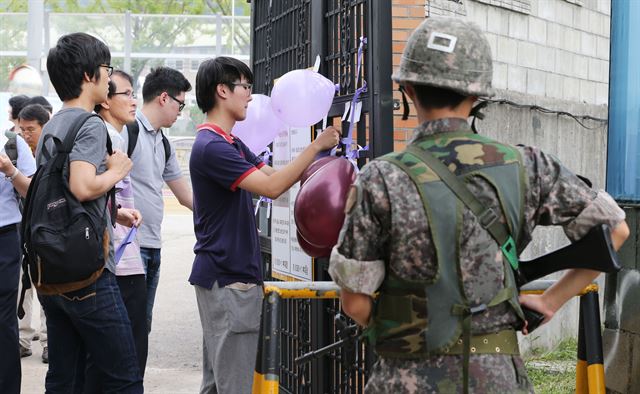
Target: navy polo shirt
point(227, 247)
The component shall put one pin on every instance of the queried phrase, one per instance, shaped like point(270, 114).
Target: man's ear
point(87, 78)
point(222, 90)
point(105, 105)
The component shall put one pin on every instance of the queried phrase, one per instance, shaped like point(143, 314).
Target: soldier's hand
point(120, 163)
point(539, 304)
point(5, 165)
point(327, 139)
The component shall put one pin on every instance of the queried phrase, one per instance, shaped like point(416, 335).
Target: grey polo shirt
point(148, 176)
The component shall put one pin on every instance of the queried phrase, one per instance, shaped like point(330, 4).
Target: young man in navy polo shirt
point(227, 271)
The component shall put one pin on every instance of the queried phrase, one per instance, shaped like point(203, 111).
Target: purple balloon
point(302, 98)
point(261, 125)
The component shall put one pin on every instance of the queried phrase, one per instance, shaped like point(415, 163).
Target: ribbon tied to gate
point(351, 153)
point(266, 156)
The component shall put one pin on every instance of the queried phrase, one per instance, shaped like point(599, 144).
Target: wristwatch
point(13, 176)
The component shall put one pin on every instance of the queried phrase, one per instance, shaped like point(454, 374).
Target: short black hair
point(17, 103)
point(112, 87)
point(42, 101)
point(74, 55)
point(431, 97)
point(164, 79)
point(34, 112)
point(213, 72)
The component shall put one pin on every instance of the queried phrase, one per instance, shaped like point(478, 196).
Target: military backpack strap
point(488, 218)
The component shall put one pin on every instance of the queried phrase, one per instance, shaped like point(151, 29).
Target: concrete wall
point(551, 53)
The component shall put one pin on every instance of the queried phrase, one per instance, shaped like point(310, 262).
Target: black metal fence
point(288, 35)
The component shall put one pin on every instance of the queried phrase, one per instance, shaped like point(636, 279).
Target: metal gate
point(288, 35)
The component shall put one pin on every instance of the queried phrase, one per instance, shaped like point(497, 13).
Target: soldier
point(447, 312)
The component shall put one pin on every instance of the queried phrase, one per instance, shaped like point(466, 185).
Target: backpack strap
point(67, 146)
point(133, 129)
point(167, 147)
point(11, 146)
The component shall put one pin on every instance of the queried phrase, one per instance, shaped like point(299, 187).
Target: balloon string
point(348, 140)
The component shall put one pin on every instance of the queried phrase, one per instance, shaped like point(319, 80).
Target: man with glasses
point(163, 95)
point(118, 110)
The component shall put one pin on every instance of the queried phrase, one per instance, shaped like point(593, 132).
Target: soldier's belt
point(501, 342)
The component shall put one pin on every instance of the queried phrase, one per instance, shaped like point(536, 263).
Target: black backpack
point(64, 245)
point(133, 129)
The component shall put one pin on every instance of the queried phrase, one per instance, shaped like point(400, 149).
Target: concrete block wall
point(552, 53)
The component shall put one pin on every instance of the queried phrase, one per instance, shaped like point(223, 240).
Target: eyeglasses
point(182, 103)
point(128, 93)
point(109, 69)
point(246, 86)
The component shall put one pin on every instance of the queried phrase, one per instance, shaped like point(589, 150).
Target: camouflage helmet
point(448, 53)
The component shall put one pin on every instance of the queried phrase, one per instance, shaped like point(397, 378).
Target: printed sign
point(289, 262)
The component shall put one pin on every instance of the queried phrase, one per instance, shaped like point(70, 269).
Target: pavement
point(175, 343)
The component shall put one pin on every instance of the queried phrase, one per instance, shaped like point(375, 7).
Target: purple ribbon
point(131, 235)
point(265, 159)
point(348, 140)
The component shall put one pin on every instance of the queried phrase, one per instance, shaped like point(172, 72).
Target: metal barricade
point(294, 322)
point(288, 332)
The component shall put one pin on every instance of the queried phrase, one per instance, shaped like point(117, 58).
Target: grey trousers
point(230, 318)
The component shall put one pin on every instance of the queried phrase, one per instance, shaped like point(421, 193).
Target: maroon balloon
point(315, 166)
point(319, 206)
point(311, 249)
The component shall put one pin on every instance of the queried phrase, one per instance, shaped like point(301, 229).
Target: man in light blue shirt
point(10, 217)
point(163, 95)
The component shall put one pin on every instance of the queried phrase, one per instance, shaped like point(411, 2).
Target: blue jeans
point(9, 277)
point(151, 261)
point(90, 321)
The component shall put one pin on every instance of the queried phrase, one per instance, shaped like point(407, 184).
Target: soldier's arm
point(556, 196)
point(357, 261)
point(357, 306)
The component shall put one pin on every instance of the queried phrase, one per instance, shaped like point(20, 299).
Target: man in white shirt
point(118, 110)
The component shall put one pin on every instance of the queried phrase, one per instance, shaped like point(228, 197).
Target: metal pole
point(35, 23)
point(47, 45)
point(127, 41)
point(218, 35)
point(266, 377)
point(590, 310)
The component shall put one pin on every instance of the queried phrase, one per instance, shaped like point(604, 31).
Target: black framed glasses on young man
point(180, 102)
point(246, 86)
point(109, 69)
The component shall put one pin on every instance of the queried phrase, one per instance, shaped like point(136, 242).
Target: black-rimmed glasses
point(246, 86)
point(109, 69)
point(182, 103)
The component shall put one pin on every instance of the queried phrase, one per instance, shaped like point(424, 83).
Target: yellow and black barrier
point(589, 369)
point(590, 361)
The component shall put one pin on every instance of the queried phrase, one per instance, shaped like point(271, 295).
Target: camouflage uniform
point(386, 229)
